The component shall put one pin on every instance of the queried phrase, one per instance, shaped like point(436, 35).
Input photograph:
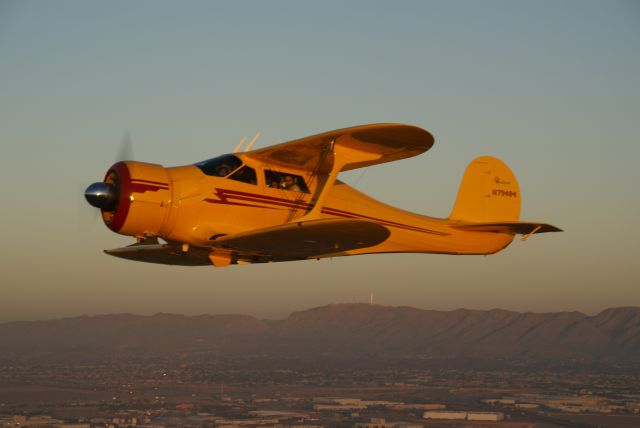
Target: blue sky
point(552, 88)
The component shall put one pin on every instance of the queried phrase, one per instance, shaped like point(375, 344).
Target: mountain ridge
point(348, 331)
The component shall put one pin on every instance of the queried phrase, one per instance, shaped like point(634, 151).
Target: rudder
point(489, 192)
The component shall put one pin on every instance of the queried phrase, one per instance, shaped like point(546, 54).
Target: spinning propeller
point(103, 194)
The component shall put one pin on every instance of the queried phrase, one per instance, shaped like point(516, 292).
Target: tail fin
point(489, 193)
point(489, 201)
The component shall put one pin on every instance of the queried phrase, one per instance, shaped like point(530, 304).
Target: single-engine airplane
point(285, 202)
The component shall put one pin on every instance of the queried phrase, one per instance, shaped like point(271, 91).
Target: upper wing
point(367, 145)
point(307, 239)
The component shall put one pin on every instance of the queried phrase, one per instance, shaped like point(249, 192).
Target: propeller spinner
point(102, 195)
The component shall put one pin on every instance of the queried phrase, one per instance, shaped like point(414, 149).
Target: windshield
point(220, 166)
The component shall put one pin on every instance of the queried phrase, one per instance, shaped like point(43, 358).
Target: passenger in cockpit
point(289, 183)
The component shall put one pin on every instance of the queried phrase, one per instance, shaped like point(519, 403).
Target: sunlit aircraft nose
point(101, 195)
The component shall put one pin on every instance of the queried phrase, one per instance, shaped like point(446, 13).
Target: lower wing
point(290, 241)
point(307, 239)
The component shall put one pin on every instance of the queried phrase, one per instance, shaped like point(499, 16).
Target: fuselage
point(194, 205)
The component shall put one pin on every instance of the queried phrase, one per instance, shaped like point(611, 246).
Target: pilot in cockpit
point(223, 170)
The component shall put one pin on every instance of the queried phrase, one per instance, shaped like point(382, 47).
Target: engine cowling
point(134, 198)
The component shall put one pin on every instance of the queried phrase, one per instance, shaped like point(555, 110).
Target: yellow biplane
point(284, 202)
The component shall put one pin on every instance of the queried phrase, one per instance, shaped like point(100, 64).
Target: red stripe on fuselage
point(225, 197)
point(334, 211)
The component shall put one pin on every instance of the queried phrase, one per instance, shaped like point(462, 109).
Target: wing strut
point(342, 155)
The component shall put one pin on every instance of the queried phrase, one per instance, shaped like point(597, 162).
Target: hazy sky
point(552, 88)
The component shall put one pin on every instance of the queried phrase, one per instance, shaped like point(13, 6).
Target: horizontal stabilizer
point(307, 239)
point(510, 227)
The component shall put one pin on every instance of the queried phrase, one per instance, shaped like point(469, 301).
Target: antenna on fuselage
point(252, 142)
point(237, 149)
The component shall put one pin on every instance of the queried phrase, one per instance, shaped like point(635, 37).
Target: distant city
point(236, 371)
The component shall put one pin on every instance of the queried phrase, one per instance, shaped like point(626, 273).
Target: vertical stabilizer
point(489, 193)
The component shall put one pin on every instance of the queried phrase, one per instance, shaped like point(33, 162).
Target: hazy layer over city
point(551, 88)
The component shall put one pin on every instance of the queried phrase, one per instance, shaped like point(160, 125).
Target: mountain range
point(362, 332)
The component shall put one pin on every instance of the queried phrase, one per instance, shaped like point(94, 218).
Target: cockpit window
point(220, 166)
point(246, 174)
point(285, 180)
